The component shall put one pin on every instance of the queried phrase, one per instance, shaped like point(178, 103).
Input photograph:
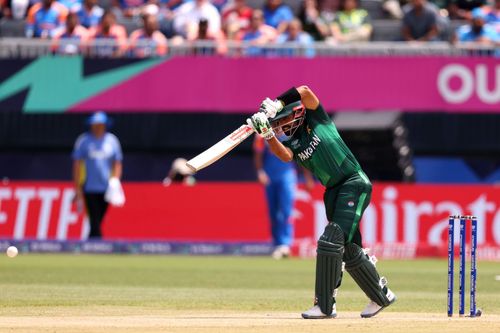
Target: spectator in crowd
point(45, 19)
point(89, 13)
point(109, 38)
point(97, 163)
point(493, 15)
point(393, 8)
point(168, 4)
point(148, 41)
point(235, 18)
point(461, 9)
point(71, 5)
point(295, 34)
point(442, 19)
point(311, 19)
point(219, 4)
point(15, 9)
point(420, 22)
point(351, 23)
point(189, 14)
point(328, 10)
point(258, 34)
point(72, 39)
point(5, 10)
point(277, 14)
point(164, 14)
point(179, 173)
point(129, 8)
point(203, 33)
point(478, 31)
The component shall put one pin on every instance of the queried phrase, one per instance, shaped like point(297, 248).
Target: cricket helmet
point(286, 126)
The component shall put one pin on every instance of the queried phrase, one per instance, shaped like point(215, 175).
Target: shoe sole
point(375, 313)
point(319, 317)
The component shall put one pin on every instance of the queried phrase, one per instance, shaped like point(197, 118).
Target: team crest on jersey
point(350, 203)
point(295, 143)
point(308, 129)
point(308, 152)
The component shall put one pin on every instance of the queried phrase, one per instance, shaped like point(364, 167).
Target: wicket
point(473, 271)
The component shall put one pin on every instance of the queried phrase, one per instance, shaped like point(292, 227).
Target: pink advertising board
point(208, 84)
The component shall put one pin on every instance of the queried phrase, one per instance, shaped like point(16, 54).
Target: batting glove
point(261, 125)
point(270, 107)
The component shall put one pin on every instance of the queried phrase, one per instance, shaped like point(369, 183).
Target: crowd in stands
point(73, 25)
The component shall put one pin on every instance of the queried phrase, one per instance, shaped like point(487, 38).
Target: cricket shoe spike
point(315, 313)
point(373, 308)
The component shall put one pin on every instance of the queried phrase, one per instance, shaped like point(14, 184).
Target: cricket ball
point(12, 251)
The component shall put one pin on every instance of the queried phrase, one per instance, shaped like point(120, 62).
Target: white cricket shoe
point(315, 313)
point(280, 252)
point(373, 308)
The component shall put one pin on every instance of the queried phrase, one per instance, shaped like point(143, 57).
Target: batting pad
point(329, 266)
point(364, 273)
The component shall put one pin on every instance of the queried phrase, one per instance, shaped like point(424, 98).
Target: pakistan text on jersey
point(307, 153)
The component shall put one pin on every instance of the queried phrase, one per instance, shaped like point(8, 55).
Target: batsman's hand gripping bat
point(220, 149)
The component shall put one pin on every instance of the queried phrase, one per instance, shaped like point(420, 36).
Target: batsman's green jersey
point(318, 147)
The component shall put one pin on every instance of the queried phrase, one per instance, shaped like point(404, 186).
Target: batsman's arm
point(309, 99)
point(302, 93)
point(283, 153)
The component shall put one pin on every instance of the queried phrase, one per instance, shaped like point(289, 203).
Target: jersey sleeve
point(118, 154)
point(318, 115)
point(79, 148)
point(287, 14)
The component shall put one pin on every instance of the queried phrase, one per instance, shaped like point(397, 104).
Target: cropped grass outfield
point(30, 283)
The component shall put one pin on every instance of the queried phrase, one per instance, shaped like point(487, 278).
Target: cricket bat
point(220, 149)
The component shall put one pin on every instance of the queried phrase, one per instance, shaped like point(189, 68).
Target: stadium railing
point(32, 48)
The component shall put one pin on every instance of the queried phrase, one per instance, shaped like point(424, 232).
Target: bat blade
point(220, 149)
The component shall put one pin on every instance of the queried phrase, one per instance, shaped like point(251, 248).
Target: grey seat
point(12, 28)
point(295, 5)
point(386, 30)
point(374, 8)
point(130, 24)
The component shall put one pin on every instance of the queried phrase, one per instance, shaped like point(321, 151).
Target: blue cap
point(98, 118)
point(478, 13)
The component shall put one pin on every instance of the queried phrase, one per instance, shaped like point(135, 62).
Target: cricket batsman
point(307, 135)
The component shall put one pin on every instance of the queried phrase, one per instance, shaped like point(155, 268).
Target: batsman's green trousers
point(345, 204)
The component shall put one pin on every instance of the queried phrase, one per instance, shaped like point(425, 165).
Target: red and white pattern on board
point(402, 221)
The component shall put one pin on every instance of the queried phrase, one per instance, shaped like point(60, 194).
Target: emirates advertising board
point(402, 221)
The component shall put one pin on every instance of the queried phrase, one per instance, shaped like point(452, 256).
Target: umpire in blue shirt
point(97, 156)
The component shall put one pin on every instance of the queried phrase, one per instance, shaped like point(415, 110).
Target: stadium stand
point(384, 28)
point(11, 28)
point(374, 9)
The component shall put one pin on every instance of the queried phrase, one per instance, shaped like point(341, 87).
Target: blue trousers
point(280, 194)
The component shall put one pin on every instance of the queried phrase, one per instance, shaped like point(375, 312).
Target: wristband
point(290, 96)
point(269, 135)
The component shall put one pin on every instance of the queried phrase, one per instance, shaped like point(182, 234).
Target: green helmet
point(288, 128)
point(288, 110)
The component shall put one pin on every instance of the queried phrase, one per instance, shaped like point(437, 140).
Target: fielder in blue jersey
point(97, 157)
point(280, 180)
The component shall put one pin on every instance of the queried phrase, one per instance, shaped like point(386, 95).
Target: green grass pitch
point(35, 283)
